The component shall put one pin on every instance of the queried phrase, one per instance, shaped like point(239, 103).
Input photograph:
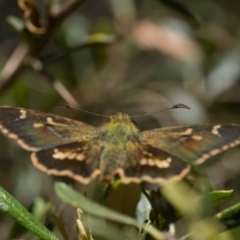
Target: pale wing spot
point(215, 129)
point(4, 130)
point(225, 147)
point(162, 164)
point(67, 155)
point(72, 155)
point(38, 125)
point(80, 157)
point(13, 136)
point(58, 155)
point(151, 162)
point(196, 137)
point(51, 122)
point(215, 152)
point(203, 158)
point(61, 155)
point(143, 161)
point(169, 159)
point(147, 153)
point(233, 144)
point(187, 132)
point(23, 114)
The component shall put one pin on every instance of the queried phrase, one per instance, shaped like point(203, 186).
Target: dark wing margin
point(35, 131)
point(159, 168)
point(194, 143)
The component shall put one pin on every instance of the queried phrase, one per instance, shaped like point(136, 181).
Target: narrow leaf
point(220, 196)
point(10, 206)
point(70, 196)
point(230, 217)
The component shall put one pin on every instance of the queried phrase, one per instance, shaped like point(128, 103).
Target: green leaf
point(19, 26)
point(220, 196)
point(195, 211)
point(184, 199)
point(40, 209)
point(230, 217)
point(16, 23)
point(10, 206)
point(70, 196)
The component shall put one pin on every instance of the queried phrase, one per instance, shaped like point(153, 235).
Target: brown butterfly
point(65, 147)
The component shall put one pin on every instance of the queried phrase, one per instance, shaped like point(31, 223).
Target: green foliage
point(192, 208)
point(10, 206)
point(220, 196)
point(230, 217)
point(70, 196)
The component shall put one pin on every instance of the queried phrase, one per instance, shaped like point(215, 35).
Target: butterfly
point(65, 147)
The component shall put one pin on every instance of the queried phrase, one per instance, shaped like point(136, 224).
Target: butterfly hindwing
point(35, 130)
point(78, 160)
point(153, 165)
point(194, 143)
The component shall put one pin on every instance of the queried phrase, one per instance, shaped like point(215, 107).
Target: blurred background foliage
point(134, 56)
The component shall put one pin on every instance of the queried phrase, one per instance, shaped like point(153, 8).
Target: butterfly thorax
point(119, 129)
point(119, 137)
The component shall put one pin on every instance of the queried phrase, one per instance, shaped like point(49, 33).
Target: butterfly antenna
point(179, 105)
point(65, 105)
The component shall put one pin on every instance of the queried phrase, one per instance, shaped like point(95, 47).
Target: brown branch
point(16, 62)
point(13, 66)
point(60, 89)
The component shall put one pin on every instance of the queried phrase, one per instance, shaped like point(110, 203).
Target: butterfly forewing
point(194, 143)
point(36, 131)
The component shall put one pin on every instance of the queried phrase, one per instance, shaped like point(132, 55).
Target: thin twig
point(38, 66)
point(16, 62)
point(13, 66)
point(60, 12)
